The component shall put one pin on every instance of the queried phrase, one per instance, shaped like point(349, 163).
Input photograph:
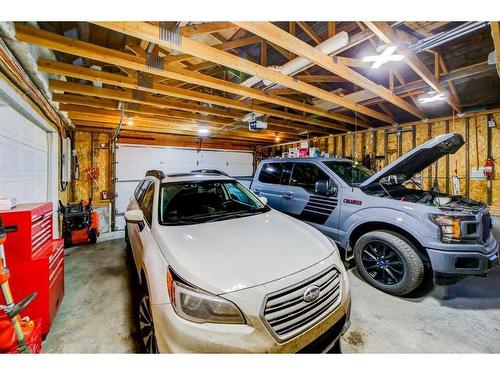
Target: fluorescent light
point(386, 56)
point(433, 96)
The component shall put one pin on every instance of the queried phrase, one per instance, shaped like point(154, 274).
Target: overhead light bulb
point(433, 96)
point(387, 54)
point(202, 130)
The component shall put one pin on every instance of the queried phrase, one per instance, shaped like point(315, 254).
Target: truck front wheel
point(389, 262)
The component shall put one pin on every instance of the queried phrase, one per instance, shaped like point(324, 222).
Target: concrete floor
point(96, 313)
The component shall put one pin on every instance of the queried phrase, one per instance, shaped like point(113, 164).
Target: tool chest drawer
point(33, 224)
point(35, 259)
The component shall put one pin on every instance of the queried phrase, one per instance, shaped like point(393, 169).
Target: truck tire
point(389, 262)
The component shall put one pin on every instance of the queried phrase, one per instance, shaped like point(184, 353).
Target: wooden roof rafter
point(149, 32)
point(33, 35)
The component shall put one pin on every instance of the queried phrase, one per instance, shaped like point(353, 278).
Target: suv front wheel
point(389, 262)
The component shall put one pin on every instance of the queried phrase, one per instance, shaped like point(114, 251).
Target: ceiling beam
point(320, 78)
point(310, 32)
point(128, 96)
point(273, 33)
point(150, 33)
point(495, 34)
point(125, 82)
point(89, 101)
point(206, 28)
point(384, 31)
point(149, 130)
point(60, 43)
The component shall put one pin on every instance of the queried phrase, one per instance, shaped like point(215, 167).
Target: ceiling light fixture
point(433, 96)
point(386, 54)
point(203, 131)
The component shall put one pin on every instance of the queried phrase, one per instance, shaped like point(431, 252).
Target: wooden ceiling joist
point(174, 131)
point(125, 82)
point(310, 32)
point(153, 114)
point(384, 31)
point(60, 43)
point(274, 34)
point(110, 104)
point(206, 28)
point(145, 31)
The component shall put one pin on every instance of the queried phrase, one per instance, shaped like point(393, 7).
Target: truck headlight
point(451, 228)
point(198, 306)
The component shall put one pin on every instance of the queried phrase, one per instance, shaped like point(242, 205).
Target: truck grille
point(286, 313)
point(486, 226)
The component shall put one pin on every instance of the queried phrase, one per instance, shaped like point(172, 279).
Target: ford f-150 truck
point(395, 231)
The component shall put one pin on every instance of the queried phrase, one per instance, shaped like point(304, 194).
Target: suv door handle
point(287, 195)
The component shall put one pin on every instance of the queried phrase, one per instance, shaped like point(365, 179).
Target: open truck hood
point(419, 158)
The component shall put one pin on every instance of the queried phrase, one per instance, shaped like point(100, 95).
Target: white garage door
point(23, 158)
point(132, 162)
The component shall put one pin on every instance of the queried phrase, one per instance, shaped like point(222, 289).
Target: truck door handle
point(287, 195)
point(256, 191)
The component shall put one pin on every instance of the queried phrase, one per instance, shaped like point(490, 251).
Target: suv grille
point(287, 314)
point(486, 225)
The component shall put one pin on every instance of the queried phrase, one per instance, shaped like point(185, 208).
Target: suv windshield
point(196, 202)
point(352, 173)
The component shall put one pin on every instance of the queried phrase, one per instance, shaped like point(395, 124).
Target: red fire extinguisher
point(488, 168)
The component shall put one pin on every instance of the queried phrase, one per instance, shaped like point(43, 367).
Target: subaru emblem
point(311, 293)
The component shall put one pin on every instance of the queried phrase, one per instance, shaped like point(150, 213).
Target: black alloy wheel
point(146, 327)
point(382, 263)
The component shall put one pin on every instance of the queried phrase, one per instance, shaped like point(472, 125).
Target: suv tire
point(389, 262)
point(146, 330)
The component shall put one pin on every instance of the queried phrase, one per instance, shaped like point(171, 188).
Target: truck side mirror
point(324, 187)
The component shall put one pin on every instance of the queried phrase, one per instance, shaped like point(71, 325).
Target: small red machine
point(80, 223)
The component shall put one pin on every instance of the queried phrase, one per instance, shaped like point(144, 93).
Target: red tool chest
point(35, 260)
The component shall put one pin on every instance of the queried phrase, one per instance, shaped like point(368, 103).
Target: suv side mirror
point(324, 187)
point(134, 216)
point(263, 200)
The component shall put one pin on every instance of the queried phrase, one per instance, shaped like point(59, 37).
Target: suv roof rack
point(156, 173)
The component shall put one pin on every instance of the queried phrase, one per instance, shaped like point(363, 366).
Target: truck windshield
point(352, 173)
point(183, 203)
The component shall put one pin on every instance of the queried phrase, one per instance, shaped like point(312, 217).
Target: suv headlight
point(199, 306)
point(451, 228)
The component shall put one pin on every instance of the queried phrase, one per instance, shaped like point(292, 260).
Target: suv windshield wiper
point(231, 215)
point(182, 222)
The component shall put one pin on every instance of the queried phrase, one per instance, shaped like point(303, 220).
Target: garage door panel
point(23, 158)
point(132, 170)
point(9, 157)
point(134, 161)
point(124, 191)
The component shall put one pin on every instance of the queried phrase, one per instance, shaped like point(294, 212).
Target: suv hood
point(419, 158)
point(234, 254)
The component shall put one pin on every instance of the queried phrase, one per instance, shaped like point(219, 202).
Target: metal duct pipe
point(447, 36)
point(299, 64)
point(421, 45)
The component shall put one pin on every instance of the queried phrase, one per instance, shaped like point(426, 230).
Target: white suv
point(220, 271)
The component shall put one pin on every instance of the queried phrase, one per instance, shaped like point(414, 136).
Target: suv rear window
point(270, 173)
